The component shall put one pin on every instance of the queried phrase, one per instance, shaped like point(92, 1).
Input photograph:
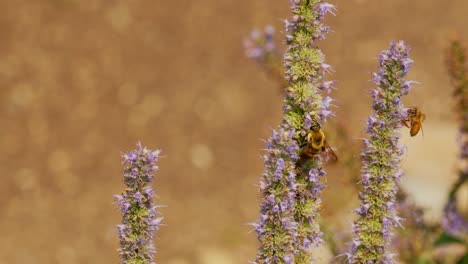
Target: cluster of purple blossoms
point(373, 230)
point(452, 221)
point(139, 214)
point(260, 46)
point(276, 228)
point(288, 225)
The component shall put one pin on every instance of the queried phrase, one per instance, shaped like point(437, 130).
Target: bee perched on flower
point(315, 144)
point(414, 120)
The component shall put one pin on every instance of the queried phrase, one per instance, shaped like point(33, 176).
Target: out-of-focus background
point(81, 81)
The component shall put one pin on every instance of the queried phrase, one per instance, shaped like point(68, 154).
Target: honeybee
point(316, 144)
point(414, 121)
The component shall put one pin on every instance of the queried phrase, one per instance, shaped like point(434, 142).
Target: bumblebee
point(414, 120)
point(316, 144)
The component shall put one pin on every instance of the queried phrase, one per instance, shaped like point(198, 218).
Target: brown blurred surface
point(82, 80)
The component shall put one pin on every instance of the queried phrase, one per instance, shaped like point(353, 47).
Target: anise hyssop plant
point(139, 213)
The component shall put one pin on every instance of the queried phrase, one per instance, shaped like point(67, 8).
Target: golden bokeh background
point(81, 81)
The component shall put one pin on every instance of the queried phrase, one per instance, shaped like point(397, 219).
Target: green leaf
point(463, 259)
point(445, 238)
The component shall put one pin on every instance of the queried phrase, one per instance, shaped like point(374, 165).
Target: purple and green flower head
point(260, 45)
point(377, 214)
point(140, 216)
point(292, 217)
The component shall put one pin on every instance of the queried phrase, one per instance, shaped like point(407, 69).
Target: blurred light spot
point(91, 143)
point(84, 76)
point(127, 94)
point(235, 103)
point(20, 257)
point(9, 66)
point(119, 17)
point(57, 34)
point(150, 107)
point(22, 95)
point(205, 109)
point(46, 67)
point(29, 16)
point(67, 182)
point(110, 60)
point(215, 256)
point(66, 254)
point(38, 129)
point(59, 161)
point(11, 143)
point(178, 261)
point(26, 179)
point(86, 111)
point(201, 156)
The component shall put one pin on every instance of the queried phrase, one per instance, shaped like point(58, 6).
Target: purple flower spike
point(139, 214)
point(307, 99)
point(291, 202)
point(453, 222)
point(276, 227)
point(291, 191)
point(373, 230)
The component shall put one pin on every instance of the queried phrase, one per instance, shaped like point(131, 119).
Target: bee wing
point(422, 130)
point(329, 152)
point(421, 120)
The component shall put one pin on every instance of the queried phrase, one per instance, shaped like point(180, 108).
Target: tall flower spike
point(288, 225)
point(453, 221)
point(139, 214)
point(372, 231)
point(305, 70)
point(458, 70)
point(276, 228)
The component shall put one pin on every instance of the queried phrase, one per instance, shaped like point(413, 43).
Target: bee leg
point(405, 123)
